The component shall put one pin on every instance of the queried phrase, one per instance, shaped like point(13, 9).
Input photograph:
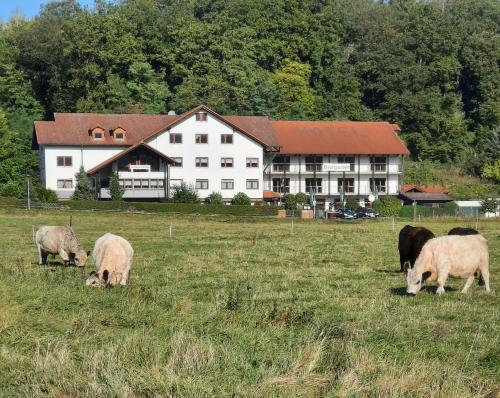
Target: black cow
point(411, 241)
point(463, 231)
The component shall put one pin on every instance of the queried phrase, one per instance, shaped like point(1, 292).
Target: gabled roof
point(426, 196)
point(126, 151)
point(324, 137)
point(422, 188)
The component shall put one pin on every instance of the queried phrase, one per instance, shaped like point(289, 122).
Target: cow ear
point(105, 275)
point(88, 253)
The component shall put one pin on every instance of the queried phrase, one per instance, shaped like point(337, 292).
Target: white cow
point(112, 258)
point(454, 255)
point(59, 240)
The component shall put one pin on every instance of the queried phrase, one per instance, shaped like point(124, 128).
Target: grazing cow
point(463, 231)
point(112, 258)
point(454, 255)
point(411, 241)
point(59, 240)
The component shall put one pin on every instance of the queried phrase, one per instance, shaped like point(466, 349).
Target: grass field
point(233, 307)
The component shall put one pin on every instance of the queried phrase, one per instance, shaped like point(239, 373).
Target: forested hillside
point(430, 66)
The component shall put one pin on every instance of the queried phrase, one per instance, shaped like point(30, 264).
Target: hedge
point(185, 208)
point(7, 201)
point(425, 211)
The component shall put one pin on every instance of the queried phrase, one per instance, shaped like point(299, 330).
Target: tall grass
point(241, 307)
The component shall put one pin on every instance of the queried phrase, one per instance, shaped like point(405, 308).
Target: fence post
point(170, 231)
point(392, 223)
point(70, 221)
point(292, 226)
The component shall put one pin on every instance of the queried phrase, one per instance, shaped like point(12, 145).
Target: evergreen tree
point(82, 189)
point(115, 189)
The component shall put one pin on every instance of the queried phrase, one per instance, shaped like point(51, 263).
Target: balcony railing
point(364, 168)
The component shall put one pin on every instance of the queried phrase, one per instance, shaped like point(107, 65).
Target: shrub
point(184, 193)
point(115, 190)
point(215, 198)
point(45, 195)
point(82, 189)
point(489, 206)
point(301, 198)
point(241, 198)
point(387, 206)
point(11, 189)
point(352, 204)
point(290, 201)
point(450, 208)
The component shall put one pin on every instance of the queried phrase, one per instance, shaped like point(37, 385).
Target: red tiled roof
point(323, 137)
point(423, 189)
point(271, 195)
point(426, 196)
point(294, 137)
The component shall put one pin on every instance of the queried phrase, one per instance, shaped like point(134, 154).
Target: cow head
point(93, 280)
point(414, 279)
point(80, 258)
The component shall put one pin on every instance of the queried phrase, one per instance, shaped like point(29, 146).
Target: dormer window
point(118, 134)
point(201, 116)
point(97, 133)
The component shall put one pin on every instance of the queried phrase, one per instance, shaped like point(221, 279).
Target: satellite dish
point(371, 198)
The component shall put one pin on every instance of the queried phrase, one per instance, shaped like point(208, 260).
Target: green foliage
point(489, 206)
point(10, 189)
point(492, 171)
point(215, 198)
point(425, 211)
point(473, 191)
point(352, 204)
point(450, 208)
point(82, 188)
point(184, 193)
point(301, 198)
point(387, 206)
point(116, 191)
point(290, 201)
point(421, 173)
point(241, 198)
point(45, 195)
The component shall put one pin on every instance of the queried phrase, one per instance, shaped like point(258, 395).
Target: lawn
point(241, 307)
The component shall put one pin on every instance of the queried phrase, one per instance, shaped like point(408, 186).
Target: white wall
point(91, 157)
point(241, 148)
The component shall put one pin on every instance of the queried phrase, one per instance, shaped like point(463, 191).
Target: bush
point(115, 190)
point(301, 198)
point(241, 198)
point(290, 201)
point(215, 198)
point(352, 204)
point(46, 195)
point(184, 193)
point(450, 208)
point(82, 189)
point(489, 206)
point(387, 206)
point(11, 189)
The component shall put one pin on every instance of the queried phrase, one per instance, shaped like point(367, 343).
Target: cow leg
point(402, 263)
point(40, 261)
point(468, 283)
point(440, 282)
point(485, 273)
point(44, 257)
point(64, 256)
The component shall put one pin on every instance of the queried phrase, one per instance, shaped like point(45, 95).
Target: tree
point(489, 206)
point(352, 204)
point(82, 189)
point(116, 191)
point(290, 201)
point(241, 198)
point(387, 206)
point(492, 171)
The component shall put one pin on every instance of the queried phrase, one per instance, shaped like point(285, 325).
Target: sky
point(28, 8)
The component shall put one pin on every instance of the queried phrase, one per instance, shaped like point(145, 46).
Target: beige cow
point(112, 258)
point(59, 240)
point(452, 255)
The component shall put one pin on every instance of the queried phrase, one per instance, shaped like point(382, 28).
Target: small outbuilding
point(425, 196)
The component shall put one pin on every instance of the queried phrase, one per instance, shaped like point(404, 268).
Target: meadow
point(241, 307)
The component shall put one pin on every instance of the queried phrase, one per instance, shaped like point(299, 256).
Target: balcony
point(310, 168)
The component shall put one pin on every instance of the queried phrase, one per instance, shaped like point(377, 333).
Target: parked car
point(346, 214)
point(366, 212)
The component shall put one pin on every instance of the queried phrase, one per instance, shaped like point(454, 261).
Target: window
point(201, 162)
point(65, 184)
point(313, 163)
point(201, 184)
point(64, 161)
point(281, 185)
point(378, 163)
point(346, 159)
point(379, 184)
point(226, 138)
point(346, 185)
point(119, 136)
point(281, 163)
point(314, 184)
point(175, 138)
point(252, 184)
point(98, 135)
point(178, 162)
point(174, 183)
point(201, 138)
point(127, 184)
point(227, 184)
point(201, 117)
point(226, 162)
point(252, 162)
